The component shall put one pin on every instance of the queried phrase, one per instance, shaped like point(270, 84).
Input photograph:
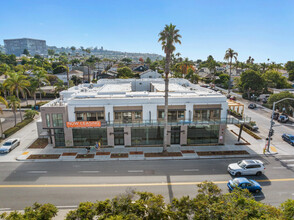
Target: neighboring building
point(107, 75)
point(63, 76)
point(17, 46)
point(130, 112)
point(150, 74)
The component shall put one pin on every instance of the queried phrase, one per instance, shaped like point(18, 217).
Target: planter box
point(217, 153)
point(43, 156)
point(136, 152)
point(188, 152)
point(167, 154)
point(69, 154)
point(85, 156)
point(122, 155)
point(40, 143)
point(103, 153)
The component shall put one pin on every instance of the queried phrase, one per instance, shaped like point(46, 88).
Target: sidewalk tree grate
point(136, 152)
point(120, 155)
point(215, 153)
point(165, 154)
point(40, 143)
point(103, 153)
point(188, 152)
point(69, 154)
point(43, 156)
point(85, 156)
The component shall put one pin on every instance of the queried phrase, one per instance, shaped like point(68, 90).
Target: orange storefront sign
point(83, 124)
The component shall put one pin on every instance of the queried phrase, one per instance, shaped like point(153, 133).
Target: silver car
point(246, 167)
point(9, 145)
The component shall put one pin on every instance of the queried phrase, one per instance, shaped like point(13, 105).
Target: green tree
point(251, 81)
point(230, 54)
point(41, 78)
point(124, 72)
point(26, 52)
point(13, 103)
point(126, 60)
point(168, 37)
point(51, 52)
point(148, 61)
point(278, 96)
point(60, 69)
point(288, 209)
point(275, 79)
point(30, 114)
point(4, 102)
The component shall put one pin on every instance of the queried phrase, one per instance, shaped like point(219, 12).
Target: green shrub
point(41, 103)
point(24, 123)
point(10, 131)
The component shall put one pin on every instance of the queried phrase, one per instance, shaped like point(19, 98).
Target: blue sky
point(258, 28)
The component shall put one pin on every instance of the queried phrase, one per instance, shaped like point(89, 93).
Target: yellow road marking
point(25, 153)
point(128, 184)
point(273, 149)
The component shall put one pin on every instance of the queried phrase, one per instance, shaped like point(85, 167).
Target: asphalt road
point(65, 184)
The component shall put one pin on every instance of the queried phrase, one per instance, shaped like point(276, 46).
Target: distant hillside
point(108, 53)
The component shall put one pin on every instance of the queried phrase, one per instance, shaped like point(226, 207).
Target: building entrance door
point(119, 138)
point(175, 135)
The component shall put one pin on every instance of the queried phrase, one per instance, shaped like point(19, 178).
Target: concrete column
point(183, 135)
point(168, 134)
point(68, 137)
point(110, 136)
point(222, 134)
point(128, 136)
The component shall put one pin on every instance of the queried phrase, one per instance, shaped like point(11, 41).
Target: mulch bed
point(122, 155)
point(85, 156)
point(40, 143)
point(166, 154)
point(69, 154)
point(246, 142)
point(43, 156)
point(103, 153)
point(136, 152)
point(213, 153)
point(188, 152)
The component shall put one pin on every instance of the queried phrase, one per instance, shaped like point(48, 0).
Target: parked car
point(288, 138)
point(9, 145)
point(246, 167)
point(233, 98)
point(251, 126)
point(264, 100)
point(276, 115)
point(283, 118)
point(252, 106)
point(244, 183)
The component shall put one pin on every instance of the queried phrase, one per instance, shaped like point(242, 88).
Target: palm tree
point(230, 54)
point(34, 87)
point(41, 78)
point(18, 83)
point(168, 37)
point(3, 101)
point(13, 103)
point(4, 69)
point(263, 67)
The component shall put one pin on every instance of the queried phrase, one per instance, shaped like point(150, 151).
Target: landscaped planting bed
point(251, 133)
point(85, 156)
point(216, 153)
point(40, 143)
point(69, 154)
point(188, 152)
point(136, 152)
point(245, 142)
point(166, 154)
point(43, 156)
point(122, 155)
point(103, 153)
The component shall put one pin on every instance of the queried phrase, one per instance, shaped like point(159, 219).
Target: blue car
point(288, 138)
point(244, 183)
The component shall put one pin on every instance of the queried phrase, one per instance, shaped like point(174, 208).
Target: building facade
point(17, 46)
point(130, 112)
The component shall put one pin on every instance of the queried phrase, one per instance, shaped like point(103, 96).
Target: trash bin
point(37, 107)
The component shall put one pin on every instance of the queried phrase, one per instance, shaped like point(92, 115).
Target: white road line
point(191, 170)
point(135, 171)
point(292, 160)
point(4, 209)
point(278, 167)
point(290, 165)
point(66, 206)
point(37, 172)
point(89, 171)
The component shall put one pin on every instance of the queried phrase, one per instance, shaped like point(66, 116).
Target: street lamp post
point(272, 121)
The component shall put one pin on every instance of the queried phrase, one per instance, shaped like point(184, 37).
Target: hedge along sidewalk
point(17, 127)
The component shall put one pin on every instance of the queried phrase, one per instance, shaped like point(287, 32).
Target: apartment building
point(130, 112)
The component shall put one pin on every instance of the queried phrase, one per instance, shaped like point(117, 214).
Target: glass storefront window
point(80, 116)
point(89, 136)
point(59, 137)
point(181, 114)
point(206, 115)
point(127, 117)
point(203, 134)
point(173, 115)
point(138, 115)
point(57, 120)
point(48, 120)
point(147, 136)
point(91, 116)
point(100, 116)
point(117, 116)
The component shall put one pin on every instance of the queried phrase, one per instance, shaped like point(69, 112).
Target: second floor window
point(57, 120)
point(89, 116)
point(172, 115)
point(206, 114)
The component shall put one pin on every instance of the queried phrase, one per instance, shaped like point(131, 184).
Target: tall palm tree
point(3, 101)
point(230, 54)
point(13, 103)
point(41, 78)
point(17, 82)
point(168, 37)
point(34, 87)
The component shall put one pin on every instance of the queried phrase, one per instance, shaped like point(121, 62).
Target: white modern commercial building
point(130, 112)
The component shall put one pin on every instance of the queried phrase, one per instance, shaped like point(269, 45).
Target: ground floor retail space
point(139, 136)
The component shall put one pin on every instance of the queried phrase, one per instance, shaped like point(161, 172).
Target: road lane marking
point(278, 167)
point(135, 171)
point(37, 172)
point(131, 184)
point(89, 171)
point(5, 209)
point(292, 160)
point(191, 170)
point(66, 206)
point(290, 165)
